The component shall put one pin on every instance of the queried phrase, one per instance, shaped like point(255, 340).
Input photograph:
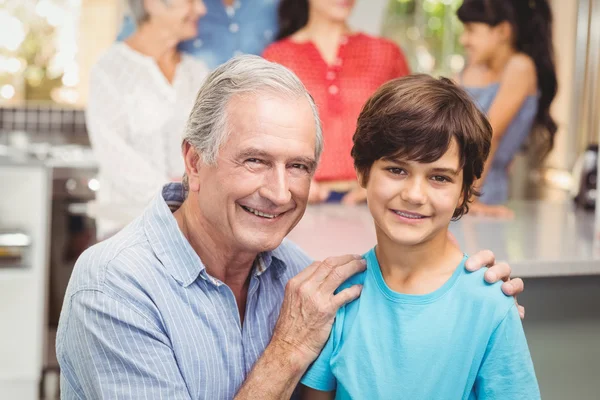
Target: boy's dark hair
point(416, 118)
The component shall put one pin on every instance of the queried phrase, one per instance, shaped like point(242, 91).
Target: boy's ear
point(361, 179)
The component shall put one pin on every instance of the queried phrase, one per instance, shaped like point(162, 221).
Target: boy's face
point(411, 202)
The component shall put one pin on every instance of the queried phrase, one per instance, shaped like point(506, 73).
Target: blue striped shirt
point(142, 318)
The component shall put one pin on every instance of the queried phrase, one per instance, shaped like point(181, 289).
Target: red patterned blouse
point(363, 64)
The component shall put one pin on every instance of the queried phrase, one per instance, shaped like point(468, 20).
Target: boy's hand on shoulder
point(496, 272)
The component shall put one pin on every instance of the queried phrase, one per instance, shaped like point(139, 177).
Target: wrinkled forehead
point(271, 121)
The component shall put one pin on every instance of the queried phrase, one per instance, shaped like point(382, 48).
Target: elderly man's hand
point(501, 270)
point(310, 305)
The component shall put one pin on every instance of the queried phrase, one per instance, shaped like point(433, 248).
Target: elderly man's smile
point(262, 213)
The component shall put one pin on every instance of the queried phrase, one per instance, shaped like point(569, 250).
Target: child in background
point(423, 327)
point(511, 76)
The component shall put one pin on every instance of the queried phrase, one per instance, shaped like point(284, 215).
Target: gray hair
point(206, 128)
point(138, 11)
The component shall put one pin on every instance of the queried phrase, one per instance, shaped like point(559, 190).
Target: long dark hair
point(293, 16)
point(531, 22)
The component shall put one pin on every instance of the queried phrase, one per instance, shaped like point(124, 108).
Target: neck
point(154, 41)
point(401, 263)
point(221, 260)
point(501, 57)
point(320, 29)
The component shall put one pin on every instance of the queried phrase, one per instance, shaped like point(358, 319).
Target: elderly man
point(201, 297)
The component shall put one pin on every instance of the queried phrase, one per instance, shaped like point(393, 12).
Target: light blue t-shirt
point(462, 341)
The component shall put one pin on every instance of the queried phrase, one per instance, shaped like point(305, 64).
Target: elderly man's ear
point(192, 158)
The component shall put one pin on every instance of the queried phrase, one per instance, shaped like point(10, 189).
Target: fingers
point(500, 271)
point(325, 268)
point(480, 259)
point(307, 272)
point(521, 311)
point(347, 295)
point(513, 287)
point(340, 274)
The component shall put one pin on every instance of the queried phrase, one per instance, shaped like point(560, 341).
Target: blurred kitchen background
point(48, 176)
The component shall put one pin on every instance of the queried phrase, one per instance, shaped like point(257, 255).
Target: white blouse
point(135, 120)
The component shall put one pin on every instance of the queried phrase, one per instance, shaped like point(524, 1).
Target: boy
point(423, 327)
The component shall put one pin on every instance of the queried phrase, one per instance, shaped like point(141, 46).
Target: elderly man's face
point(259, 188)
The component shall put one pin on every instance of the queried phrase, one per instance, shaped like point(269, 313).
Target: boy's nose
point(414, 192)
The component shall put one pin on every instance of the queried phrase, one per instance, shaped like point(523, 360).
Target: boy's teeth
point(260, 214)
point(413, 216)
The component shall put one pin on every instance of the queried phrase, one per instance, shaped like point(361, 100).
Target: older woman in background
point(141, 92)
point(341, 69)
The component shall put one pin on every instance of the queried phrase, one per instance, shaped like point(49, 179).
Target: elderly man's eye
point(300, 166)
point(254, 160)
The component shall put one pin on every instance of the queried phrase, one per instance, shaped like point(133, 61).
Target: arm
point(507, 371)
point(304, 324)
point(107, 123)
point(516, 84)
point(109, 350)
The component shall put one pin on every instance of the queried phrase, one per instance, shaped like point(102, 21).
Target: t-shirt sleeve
point(507, 370)
point(319, 375)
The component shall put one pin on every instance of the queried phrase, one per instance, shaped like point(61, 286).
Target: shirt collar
point(173, 249)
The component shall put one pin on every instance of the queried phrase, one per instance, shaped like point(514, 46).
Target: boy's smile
point(412, 202)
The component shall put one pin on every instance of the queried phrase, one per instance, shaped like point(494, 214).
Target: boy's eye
point(441, 179)
point(396, 170)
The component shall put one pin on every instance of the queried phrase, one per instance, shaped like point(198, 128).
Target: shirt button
point(230, 11)
point(233, 28)
point(330, 75)
point(338, 61)
point(198, 43)
point(333, 89)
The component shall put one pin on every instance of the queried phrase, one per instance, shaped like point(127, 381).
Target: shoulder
point(520, 67)
point(480, 295)
point(281, 48)
point(380, 44)
point(112, 58)
point(359, 279)
point(106, 265)
point(195, 68)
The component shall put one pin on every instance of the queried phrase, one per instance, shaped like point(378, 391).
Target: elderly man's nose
point(276, 187)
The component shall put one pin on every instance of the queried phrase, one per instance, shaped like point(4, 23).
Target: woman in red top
point(341, 69)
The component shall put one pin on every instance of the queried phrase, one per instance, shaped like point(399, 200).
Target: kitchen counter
point(543, 240)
